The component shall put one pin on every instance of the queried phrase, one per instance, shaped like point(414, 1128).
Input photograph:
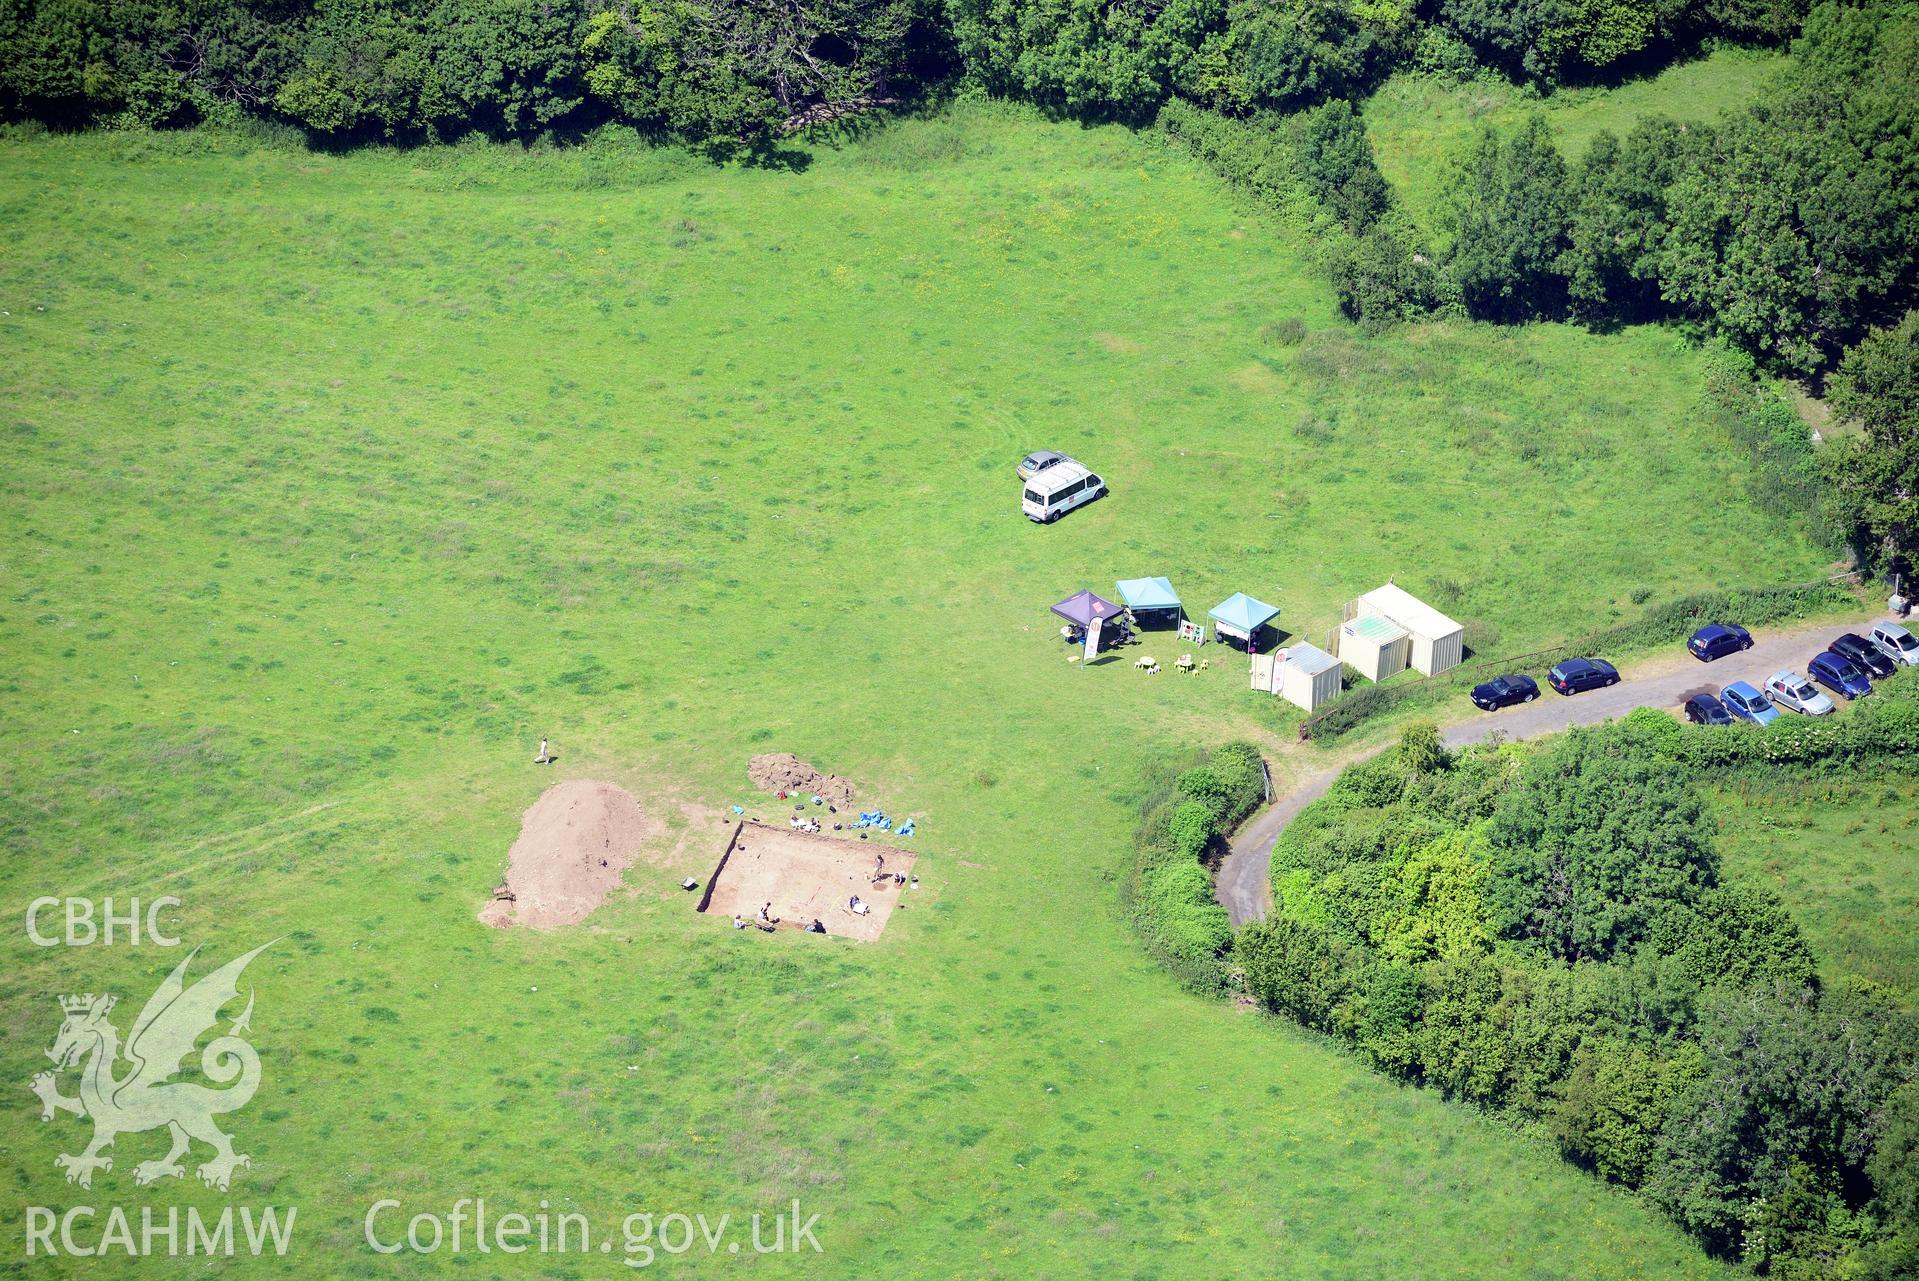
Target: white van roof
point(1056, 478)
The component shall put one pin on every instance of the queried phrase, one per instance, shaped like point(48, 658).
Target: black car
point(1576, 675)
point(1864, 654)
point(1704, 709)
point(1504, 691)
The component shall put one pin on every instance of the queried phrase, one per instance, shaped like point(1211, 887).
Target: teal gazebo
point(1241, 618)
point(1151, 596)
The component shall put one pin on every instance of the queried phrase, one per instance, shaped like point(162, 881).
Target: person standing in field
point(544, 757)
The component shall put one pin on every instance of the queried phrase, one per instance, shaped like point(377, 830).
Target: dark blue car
point(1576, 675)
point(1704, 709)
point(1504, 691)
point(1838, 674)
point(1716, 640)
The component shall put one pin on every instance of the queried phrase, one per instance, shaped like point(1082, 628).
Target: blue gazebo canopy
point(1243, 614)
point(1147, 593)
point(1084, 607)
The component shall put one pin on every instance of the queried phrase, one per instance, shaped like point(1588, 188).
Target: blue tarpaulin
point(1243, 614)
point(1147, 593)
point(1084, 607)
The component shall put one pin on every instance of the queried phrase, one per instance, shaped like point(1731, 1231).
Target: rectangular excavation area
point(806, 877)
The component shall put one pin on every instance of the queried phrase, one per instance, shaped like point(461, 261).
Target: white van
point(1057, 490)
point(1896, 643)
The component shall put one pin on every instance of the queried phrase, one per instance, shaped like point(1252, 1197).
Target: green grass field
point(1419, 124)
point(333, 483)
point(1845, 855)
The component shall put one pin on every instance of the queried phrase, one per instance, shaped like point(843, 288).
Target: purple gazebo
point(1084, 608)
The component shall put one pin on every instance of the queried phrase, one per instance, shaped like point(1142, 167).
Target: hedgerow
point(1318, 169)
point(1170, 893)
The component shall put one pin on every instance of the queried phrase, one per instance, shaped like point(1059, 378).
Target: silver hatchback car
point(1039, 460)
point(1896, 643)
point(1795, 693)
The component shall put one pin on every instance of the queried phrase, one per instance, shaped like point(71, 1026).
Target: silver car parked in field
point(1039, 460)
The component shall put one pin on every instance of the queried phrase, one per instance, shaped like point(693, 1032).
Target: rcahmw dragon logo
point(144, 1097)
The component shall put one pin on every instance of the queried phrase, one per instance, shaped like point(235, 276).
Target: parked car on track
point(1504, 691)
point(1838, 674)
point(1704, 709)
point(1038, 461)
point(1749, 704)
point(1864, 655)
point(1896, 643)
point(1576, 675)
point(1716, 640)
point(1795, 693)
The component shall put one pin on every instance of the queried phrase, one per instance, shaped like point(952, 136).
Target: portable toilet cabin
point(1374, 647)
point(1308, 676)
point(1438, 643)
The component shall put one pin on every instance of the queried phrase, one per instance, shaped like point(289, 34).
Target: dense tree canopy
point(1790, 228)
point(403, 69)
point(1564, 39)
point(1336, 161)
point(1799, 227)
point(1877, 474)
point(1592, 845)
point(1294, 52)
point(1510, 212)
point(1795, 1084)
point(1543, 929)
point(1120, 60)
point(410, 69)
point(1620, 217)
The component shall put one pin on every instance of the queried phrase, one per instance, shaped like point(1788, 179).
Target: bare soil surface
point(807, 876)
point(784, 772)
point(575, 842)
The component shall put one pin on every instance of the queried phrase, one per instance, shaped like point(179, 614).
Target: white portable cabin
point(1304, 675)
point(1438, 643)
point(1374, 647)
